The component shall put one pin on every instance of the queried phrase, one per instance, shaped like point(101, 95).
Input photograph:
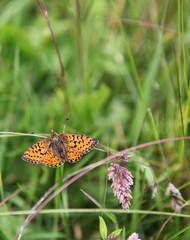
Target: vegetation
point(126, 82)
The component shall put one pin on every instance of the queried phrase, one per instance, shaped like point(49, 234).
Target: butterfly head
point(53, 134)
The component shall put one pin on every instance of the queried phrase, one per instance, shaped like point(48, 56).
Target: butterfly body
point(58, 145)
point(58, 148)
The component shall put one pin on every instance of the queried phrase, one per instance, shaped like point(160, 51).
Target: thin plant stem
point(44, 10)
point(92, 199)
point(11, 195)
point(80, 46)
point(95, 210)
point(140, 22)
point(21, 134)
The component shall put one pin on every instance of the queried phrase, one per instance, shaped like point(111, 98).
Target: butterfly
point(58, 148)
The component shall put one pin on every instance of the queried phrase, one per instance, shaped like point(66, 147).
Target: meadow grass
point(126, 67)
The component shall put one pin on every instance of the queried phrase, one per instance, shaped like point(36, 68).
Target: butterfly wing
point(77, 145)
point(42, 153)
point(52, 160)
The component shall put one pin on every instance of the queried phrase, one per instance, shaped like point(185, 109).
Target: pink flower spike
point(176, 202)
point(122, 180)
point(134, 236)
point(124, 158)
point(154, 188)
point(171, 189)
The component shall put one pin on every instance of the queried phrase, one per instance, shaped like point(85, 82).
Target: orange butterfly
point(58, 148)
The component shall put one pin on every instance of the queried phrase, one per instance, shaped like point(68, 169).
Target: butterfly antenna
point(64, 126)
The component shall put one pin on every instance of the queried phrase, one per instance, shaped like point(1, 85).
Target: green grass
point(127, 83)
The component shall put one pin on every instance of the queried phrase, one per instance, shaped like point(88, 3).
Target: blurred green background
point(126, 82)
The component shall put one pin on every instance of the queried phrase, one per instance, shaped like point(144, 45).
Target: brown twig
point(12, 195)
point(45, 12)
point(80, 46)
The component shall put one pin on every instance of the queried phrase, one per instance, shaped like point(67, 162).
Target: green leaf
point(103, 228)
point(115, 233)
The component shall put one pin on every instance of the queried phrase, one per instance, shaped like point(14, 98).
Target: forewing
point(41, 153)
point(77, 145)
